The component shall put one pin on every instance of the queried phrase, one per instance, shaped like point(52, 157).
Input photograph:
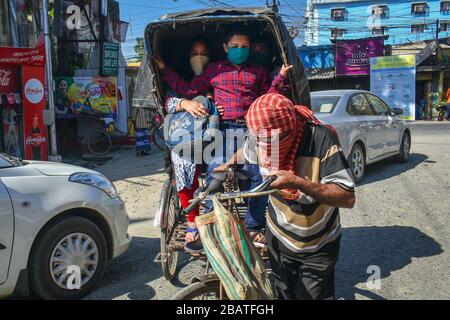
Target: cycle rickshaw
point(170, 37)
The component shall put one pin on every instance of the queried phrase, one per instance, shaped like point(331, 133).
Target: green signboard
point(110, 63)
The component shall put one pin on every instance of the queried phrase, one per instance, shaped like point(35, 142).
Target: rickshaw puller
point(303, 228)
point(236, 83)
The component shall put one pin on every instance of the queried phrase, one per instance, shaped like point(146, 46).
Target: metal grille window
point(419, 8)
point(378, 31)
point(444, 26)
point(445, 6)
point(337, 33)
point(417, 28)
point(380, 10)
point(338, 14)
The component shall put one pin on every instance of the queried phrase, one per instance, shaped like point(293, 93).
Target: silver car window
point(359, 106)
point(321, 104)
point(378, 105)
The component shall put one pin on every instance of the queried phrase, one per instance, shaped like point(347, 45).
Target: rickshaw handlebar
point(259, 191)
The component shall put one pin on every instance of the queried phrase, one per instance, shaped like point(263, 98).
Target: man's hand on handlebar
point(285, 180)
point(222, 167)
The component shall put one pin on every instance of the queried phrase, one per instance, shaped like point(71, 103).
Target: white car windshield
point(324, 104)
point(5, 161)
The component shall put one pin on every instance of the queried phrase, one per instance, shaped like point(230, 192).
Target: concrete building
point(403, 21)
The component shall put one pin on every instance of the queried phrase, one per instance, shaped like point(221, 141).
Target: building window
point(337, 33)
point(338, 14)
point(380, 10)
point(444, 26)
point(379, 31)
point(4, 23)
point(417, 28)
point(445, 6)
point(419, 8)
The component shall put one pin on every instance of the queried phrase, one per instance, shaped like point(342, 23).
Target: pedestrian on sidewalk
point(141, 117)
point(447, 107)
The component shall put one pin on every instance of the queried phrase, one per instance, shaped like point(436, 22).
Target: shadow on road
point(129, 274)
point(391, 248)
point(388, 168)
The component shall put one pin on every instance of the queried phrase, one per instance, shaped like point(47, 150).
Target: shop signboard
point(87, 95)
point(12, 56)
point(31, 62)
point(353, 56)
point(393, 78)
point(110, 62)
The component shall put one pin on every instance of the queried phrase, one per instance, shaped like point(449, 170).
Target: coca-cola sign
point(34, 90)
point(35, 141)
point(8, 80)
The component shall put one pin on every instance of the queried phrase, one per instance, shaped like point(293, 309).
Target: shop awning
point(320, 74)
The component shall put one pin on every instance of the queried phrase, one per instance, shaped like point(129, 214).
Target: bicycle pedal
point(160, 258)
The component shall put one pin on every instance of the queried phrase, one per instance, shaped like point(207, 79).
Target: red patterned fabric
point(275, 116)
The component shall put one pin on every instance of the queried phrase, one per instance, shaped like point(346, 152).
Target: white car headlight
point(95, 180)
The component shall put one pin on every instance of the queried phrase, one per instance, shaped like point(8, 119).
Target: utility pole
point(440, 79)
point(49, 73)
point(273, 6)
point(438, 29)
point(101, 33)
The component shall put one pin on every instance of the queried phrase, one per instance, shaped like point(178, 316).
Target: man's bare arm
point(330, 194)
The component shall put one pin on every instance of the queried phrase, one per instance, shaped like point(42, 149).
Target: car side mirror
point(398, 111)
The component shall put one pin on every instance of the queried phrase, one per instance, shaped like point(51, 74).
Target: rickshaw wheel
point(169, 259)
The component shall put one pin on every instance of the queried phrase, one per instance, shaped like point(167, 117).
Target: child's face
point(237, 41)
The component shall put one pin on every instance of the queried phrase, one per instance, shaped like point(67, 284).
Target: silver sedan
point(59, 225)
point(369, 130)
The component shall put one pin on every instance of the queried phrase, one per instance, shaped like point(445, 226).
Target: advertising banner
point(393, 79)
point(35, 132)
point(320, 57)
point(353, 56)
point(11, 56)
point(89, 95)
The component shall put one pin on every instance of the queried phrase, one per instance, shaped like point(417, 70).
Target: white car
point(59, 225)
point(368, 129)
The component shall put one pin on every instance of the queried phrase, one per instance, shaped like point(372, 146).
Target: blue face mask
point(238, 55)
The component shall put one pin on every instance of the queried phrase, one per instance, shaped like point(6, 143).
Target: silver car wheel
point(75, 249)
point(357, 162)
point(406, 146)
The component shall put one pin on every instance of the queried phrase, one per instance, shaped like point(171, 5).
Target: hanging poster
point(89, 95)
point(393, 78)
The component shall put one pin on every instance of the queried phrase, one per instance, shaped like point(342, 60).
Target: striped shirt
point(305, 225)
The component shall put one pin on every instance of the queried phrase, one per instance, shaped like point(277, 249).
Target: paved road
point(400, 224)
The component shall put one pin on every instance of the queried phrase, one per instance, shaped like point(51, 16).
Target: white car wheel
point(76, 249)
point(68, 259)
